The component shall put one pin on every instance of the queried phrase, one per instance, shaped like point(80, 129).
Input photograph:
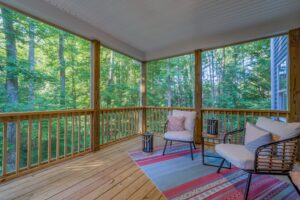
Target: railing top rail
point(43, 113)
point(245, 110)
point(120, 109)
point(62, 112)
point(169, 108)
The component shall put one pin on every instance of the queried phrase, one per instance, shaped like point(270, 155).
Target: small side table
point(212, 140)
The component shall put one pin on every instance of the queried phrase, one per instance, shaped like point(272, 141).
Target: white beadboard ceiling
point(151, 29)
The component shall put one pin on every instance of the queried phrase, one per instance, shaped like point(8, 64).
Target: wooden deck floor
point(107, 174)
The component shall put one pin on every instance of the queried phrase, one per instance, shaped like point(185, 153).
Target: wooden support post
point(198, 96)
point(95, 95)
point(294, 80)
point(143, 97)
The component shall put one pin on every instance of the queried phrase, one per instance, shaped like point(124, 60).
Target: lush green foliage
point(238, 76)
point(45, 77)
point(170, 82)
point(120, 80)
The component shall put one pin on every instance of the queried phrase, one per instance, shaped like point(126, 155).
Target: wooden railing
point(119, 123)
point(229, 119)
point(33, 140)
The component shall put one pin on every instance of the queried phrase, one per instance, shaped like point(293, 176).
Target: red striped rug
point(178, 177)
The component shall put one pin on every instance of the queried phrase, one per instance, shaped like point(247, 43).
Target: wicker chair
point(275, 158)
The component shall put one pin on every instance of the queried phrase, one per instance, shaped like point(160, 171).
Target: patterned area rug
point(178, 177)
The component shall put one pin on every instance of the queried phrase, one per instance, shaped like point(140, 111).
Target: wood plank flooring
point(106, 174)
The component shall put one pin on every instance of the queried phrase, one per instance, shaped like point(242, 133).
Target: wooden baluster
point(49, 138)
point(225, 121)
point(127, 122)
point(40, 141)
point(65, 135)
point(122, 123)
point(102, 127)
point(152, 120)
point(137, 121)
point(72, 136)
point(106, 127)
point(238, 119)
point(18, 142)
point(245, 119)
point(4, 149)
point(118, 124)
point(114, 123)
point(29, 136)
point(252, 117)
point(231, 121)
point(131, 122)
point(84, 137)
point(58, 137)
point(90, 130)
point(219, 121)
point(79, 131)
point(156, 121)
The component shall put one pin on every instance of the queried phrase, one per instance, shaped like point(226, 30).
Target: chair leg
point(296, 188)
point(165, 147)
point(248, 186)
point(194, 145)
point(221, 165)
point(192, 156)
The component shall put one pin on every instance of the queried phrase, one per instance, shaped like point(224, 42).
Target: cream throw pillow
point(256, 137)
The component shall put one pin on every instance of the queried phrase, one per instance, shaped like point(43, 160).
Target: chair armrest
point(165, 126)
point(276, 157)
point(235, 137)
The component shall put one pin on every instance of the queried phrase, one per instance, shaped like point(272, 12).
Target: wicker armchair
point(275, 158)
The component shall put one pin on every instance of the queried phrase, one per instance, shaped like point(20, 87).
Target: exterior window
point(279, 72)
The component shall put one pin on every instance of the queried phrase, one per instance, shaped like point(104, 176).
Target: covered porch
point(70, 150)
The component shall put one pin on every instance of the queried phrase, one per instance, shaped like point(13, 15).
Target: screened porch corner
point(77, 102)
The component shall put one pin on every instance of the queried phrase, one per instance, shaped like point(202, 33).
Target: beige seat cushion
point(186, 136)
point(237, 155)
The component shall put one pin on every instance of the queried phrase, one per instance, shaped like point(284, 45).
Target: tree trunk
point(31, 59)
point(11, 80)
point(169, 83)
point(62, 63)
point(192, 79)
point(212, 75)
point(110, 78)
point(12, 68)
point(74, 72)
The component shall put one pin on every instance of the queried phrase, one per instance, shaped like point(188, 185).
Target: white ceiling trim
point(53, 15)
